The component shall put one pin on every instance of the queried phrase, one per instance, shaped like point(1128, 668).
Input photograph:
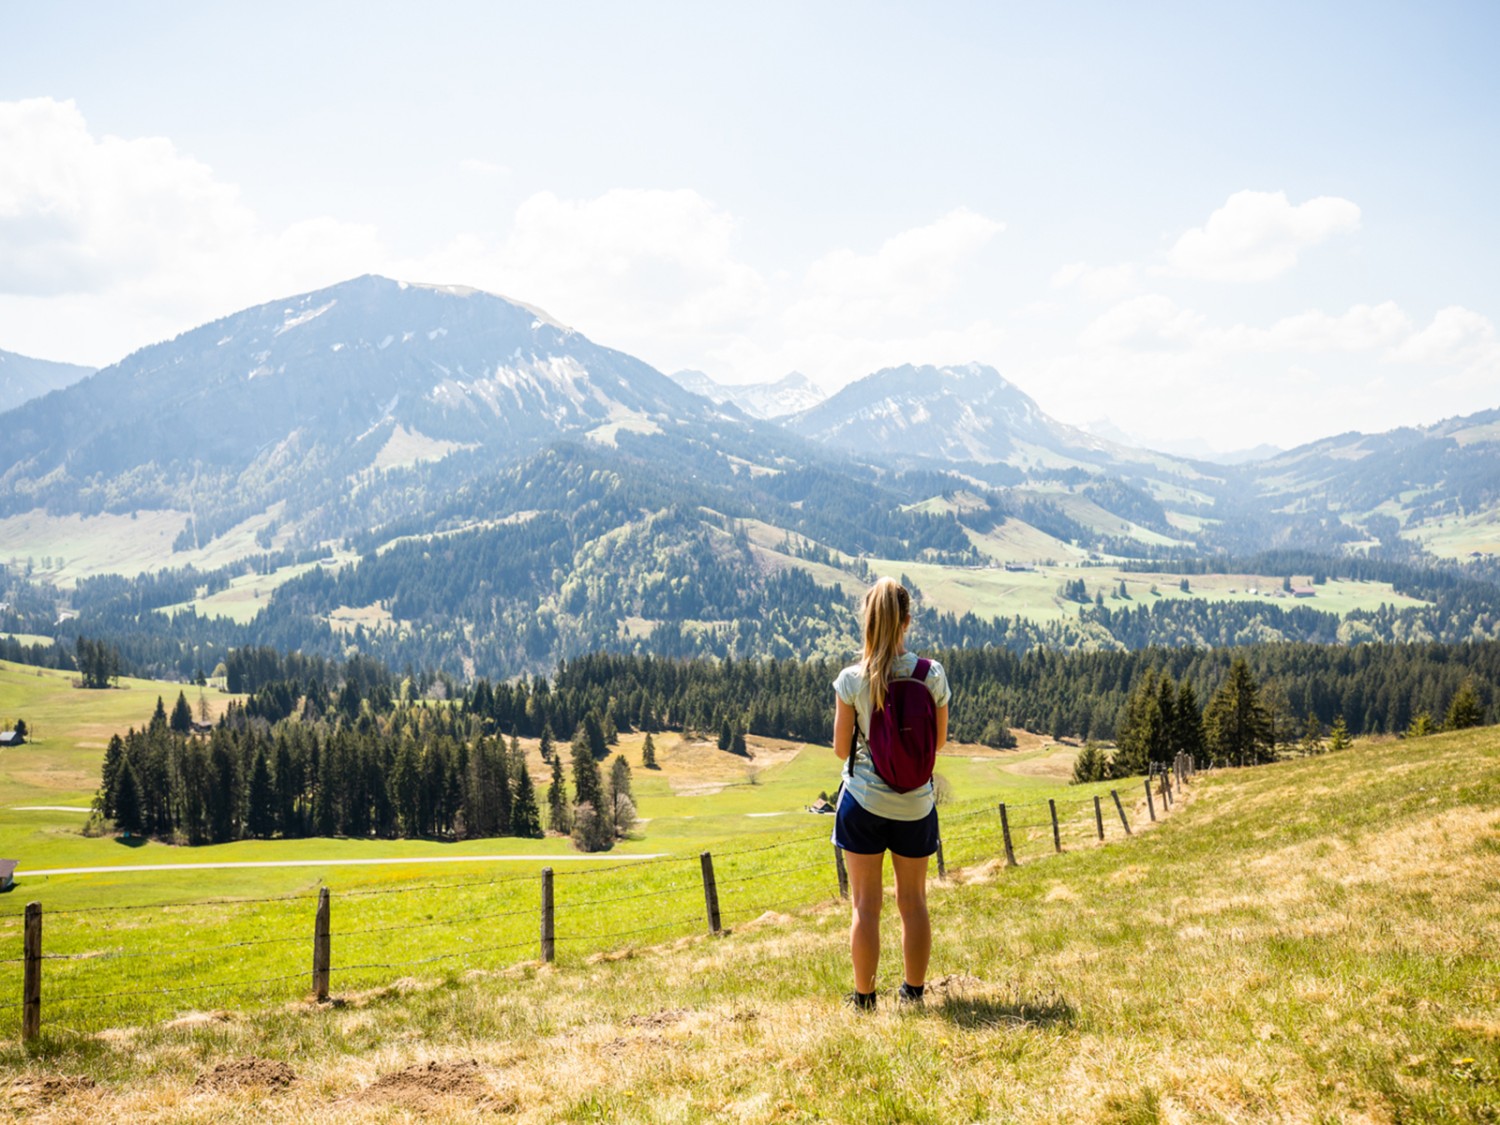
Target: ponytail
point(887, 608)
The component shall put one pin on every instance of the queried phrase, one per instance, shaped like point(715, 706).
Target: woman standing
point(874, 817)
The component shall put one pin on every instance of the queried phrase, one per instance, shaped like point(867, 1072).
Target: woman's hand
point(843, 728)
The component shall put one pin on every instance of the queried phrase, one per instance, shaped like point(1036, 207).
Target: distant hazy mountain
point(1451, 468)
point(791, 393)
point(23, 378)
point(968, 413)
point(366, 373)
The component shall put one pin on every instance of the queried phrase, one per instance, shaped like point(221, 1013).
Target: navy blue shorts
point(864, 833)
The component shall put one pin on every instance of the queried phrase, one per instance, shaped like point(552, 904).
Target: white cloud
point(1258, 235)
point(1099, 283)
point(901, 283)
point(1150, 322)
point(1361, 328)
point(484, 169)
point(79, 214)
point(136, 240)
point(1456, 336)
point(631, 268)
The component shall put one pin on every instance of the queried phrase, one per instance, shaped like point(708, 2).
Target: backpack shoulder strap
point(920, 671)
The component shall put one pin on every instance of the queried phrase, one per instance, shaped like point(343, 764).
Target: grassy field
point(1311, 941)
point(991, 591)
point(83, 546)
point(1457, 537)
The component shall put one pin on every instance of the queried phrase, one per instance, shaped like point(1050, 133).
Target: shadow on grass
point(1004, 1011)
point(131, 841)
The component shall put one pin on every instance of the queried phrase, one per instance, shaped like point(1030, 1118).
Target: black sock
point(864, 999)
point(912, 991)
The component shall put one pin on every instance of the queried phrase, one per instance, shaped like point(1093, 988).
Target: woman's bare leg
point(866, 876)
point(916, 929)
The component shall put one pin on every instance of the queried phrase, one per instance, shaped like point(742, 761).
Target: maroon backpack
point(903, 733)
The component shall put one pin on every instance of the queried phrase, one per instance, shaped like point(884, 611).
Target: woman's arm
point(942, 724)
point(843, 728)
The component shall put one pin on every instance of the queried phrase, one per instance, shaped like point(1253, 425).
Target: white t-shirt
point(864, 784)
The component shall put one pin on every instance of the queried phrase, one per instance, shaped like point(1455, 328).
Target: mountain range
point(23, 378)
point(791, 393)
point(484, 488)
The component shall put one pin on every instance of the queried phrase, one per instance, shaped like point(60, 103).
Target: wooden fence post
point(1121, 810)
point(322, 947)
point(549, 934)
point(843, 872)
point(942, 866)
point(1166, 794)
point(1098, 816)
point(1010, 852)
point(1056, 834)
point(31, 986)
point(1150, 804)
point(710, 892)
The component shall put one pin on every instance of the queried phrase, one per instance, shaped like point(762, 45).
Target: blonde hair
point(886, 609)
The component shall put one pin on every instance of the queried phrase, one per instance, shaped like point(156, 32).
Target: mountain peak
point(961, 412)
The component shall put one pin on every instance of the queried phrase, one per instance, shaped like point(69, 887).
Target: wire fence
point(108, 964)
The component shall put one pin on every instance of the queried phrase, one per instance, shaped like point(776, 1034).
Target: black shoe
point(911, 995)
point(865, 1001)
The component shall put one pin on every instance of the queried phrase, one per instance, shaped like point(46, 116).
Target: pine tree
point(525, 818)
point(586, 784)
point(1187, 722)
point(737, 741)
point(1090, 765)
point(1421, 725)
point(1141, 730)
point(648, 754)
point(159, 716)
point(1236, 727)
point(1338, 737)
point(260, 816)
point(549, 751)
point(726, 734)
point(1464, 711)
point(127, 801)
point(594, 732)
point(558, 817)
point(182, 715)
point(1312, 735)
point(619, 778)
point(109, 779)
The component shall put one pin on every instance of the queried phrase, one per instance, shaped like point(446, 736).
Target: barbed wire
point(449, 920)
point(299, 895)
point(629, 933)
point(496, 881)
point(588, 872)
point(672, 888)
point(117, 955)
point(137, 994)
point(429, 960)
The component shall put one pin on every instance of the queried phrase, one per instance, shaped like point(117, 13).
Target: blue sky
point(1202, 223)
